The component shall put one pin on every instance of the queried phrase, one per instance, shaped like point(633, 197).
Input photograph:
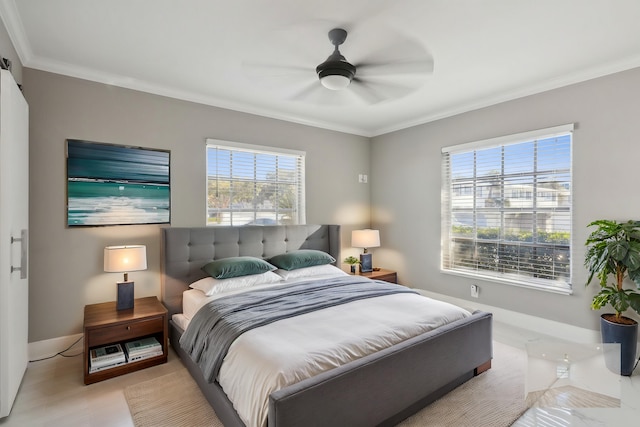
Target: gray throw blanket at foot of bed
point(217, 324)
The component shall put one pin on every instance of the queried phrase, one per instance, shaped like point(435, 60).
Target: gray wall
point(66, 264)
point(7, 50)
point(405, 182)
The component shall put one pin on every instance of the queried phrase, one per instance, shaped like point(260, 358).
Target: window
point(506, 209)
point(254, 185)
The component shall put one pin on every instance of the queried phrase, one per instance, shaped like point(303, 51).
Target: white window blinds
point(254, 185)
point(506, 208)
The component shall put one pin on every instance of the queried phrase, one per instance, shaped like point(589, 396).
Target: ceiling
point(237, 54)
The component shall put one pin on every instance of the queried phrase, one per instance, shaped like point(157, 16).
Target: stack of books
point(143, 349)
point(106, 357)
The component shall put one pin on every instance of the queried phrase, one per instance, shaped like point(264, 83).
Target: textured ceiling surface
point(259, 56)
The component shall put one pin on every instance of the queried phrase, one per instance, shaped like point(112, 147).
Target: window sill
point(511, 282)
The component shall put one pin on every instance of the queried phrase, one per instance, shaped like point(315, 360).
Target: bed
point(381, 388)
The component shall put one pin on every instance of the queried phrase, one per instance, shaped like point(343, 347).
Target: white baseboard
point(536, 324)
point(47, 348)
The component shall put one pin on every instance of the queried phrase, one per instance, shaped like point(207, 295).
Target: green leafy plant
point(613, 248)
point(351, 260)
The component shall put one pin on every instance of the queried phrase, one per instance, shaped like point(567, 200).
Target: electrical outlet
point(475, 291)
point(362, 179)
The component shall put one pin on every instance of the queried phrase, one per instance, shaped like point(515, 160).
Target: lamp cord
point(61, 353)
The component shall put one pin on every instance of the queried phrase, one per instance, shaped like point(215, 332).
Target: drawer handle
point(128, 328)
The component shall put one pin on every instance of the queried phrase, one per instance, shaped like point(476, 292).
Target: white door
point(14, 222)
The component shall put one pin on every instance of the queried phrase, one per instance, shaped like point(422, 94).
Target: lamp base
point(125, 296)
point(366, 263)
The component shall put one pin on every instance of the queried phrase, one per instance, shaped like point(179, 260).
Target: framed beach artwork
point(111, 184)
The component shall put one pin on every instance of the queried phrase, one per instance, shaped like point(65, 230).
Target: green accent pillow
point(301, 258)
point(237, 266)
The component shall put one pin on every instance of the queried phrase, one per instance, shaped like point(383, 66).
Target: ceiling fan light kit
point(336, 78)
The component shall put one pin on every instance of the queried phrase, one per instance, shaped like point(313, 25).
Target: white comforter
point(271, 357)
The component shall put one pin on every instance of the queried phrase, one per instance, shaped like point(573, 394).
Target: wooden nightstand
point(104, 325)
point(382, 274)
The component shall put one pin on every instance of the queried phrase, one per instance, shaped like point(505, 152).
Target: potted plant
point(613, 249)
point(352, 261)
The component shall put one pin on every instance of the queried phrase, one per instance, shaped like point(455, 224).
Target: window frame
point(237, 147)
point(449, 187)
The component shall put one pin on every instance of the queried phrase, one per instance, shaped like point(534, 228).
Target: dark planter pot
point(627, 337)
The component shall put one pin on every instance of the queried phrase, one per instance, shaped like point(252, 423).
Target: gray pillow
point(301, 258)
point(237, 266)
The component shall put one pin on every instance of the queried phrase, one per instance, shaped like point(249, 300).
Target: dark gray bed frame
point(380, 389)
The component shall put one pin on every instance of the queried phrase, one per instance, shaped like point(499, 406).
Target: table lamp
point(365, 239)
point(123, 259)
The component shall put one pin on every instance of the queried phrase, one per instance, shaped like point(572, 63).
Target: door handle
point(24, 253)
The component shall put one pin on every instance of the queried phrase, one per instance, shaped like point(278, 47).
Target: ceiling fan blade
point(307, 91)
point(352, 18)
point(373, 69)
point(376, 91)
point(314, 93)
point(270, 69)
point(394, 54)
point(277, 78)
point(365, 92)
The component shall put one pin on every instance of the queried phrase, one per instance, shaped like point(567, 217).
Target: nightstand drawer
point(124, 331)
point(381, 274)
point(391, 277)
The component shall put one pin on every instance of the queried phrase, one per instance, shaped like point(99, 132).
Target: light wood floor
point(53, 394)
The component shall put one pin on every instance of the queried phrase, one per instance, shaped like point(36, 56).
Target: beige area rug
point(492, 399)
point(170, 400)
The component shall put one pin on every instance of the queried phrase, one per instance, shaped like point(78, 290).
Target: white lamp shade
point(365, 238)
point(121, 259)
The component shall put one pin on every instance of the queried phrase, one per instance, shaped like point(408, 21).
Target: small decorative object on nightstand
point(352, 261)
point(105, 326)
point(123, 259)
point(365, 239)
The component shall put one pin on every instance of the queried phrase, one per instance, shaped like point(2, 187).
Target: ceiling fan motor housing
point(336, 65)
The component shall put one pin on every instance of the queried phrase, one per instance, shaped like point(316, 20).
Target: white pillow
point(316, 270)
point(211, 286)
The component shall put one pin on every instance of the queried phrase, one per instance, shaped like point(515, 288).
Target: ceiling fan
point(393, 70)
point(336, 73)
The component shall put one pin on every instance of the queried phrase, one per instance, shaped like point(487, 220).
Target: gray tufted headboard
point(186, 249)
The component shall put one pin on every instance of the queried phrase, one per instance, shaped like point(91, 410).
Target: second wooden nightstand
point(382, 274)
point(104, 325)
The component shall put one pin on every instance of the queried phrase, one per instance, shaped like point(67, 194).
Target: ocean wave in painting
point(107, 203)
